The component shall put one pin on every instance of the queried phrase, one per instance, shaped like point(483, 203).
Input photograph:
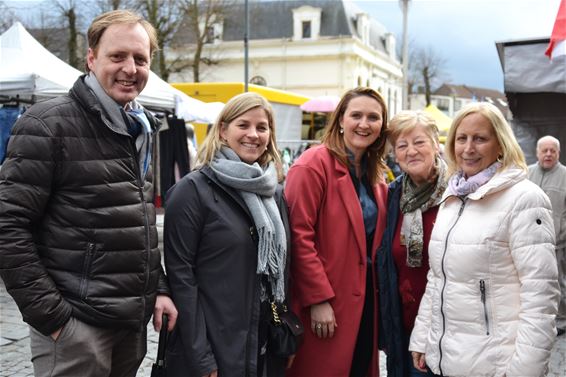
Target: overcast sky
point(464, 32)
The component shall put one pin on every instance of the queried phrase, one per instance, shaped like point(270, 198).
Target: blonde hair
point(234, 108)
point(511, 153)
point(407, 121)
point(334, 140)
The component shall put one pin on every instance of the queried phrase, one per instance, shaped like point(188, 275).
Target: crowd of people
point(451, 269)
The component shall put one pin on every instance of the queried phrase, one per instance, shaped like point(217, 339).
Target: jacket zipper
point(482, 291)
point(86, 270)
point(444, 284)
point(141, 183)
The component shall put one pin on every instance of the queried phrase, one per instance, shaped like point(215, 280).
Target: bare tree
point(7, 17)
point(165, 16)
point(109, 5)
point(202, 16)
point(427, 69)
point(68, 10)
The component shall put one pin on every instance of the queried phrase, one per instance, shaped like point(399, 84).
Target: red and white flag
point(557, 45)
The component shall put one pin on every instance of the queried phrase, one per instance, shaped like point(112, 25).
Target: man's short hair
point(103, 21)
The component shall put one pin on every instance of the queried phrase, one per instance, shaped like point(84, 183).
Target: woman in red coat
point(336, 196)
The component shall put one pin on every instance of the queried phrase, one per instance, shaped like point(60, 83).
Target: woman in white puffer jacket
point(492, 294)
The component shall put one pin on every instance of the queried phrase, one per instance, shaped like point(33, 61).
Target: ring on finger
point(318, 326)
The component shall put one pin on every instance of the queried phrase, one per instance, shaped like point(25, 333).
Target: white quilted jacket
point(492, 292)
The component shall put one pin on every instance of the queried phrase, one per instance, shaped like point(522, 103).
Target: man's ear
point(90, 56)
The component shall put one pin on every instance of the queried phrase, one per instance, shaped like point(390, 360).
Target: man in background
point(78, 246)
point(550, 175)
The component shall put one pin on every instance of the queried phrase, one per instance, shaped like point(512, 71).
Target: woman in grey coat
point(227, 247)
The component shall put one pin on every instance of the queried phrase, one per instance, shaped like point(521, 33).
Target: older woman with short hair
point(411, 211)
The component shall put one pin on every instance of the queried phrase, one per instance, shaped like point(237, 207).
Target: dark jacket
point(391, 332)
point(211, 260)
point(77, 223)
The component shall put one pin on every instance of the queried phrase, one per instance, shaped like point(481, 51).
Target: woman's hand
point(213, 374)
point(419, 361)
point(323, 321)
point(290, 360)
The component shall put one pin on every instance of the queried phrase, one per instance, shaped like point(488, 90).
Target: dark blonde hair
point(511, 152)
point(234, 108)
point(407, 121)
point(105, 20)
point(334, 140)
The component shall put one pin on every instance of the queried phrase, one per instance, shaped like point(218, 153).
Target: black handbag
point(285, 333)
point(158, 368)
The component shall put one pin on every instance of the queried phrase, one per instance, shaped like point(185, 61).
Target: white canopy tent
point(28, 70)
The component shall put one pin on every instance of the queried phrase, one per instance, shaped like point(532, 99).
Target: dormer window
point(306, 23)
point(213, 32)
point(362, 25)
point(210, 34)
point(306, 29)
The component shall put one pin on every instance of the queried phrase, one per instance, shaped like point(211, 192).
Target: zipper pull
point(462, 208)
point(482, 292)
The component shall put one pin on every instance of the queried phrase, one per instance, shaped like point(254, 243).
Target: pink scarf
point(460, 186)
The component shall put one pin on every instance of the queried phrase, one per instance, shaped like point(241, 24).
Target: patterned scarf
point(257, 187)
point(414, 201)
point(460, 186)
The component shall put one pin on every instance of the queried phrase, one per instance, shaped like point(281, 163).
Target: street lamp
point(405, 58)
point(246, 36)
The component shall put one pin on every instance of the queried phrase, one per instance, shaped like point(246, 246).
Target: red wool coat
point(328, 260)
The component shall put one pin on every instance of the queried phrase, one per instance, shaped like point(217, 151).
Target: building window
point(306, 30)
point(457, 105)
point(306, 22)
point(363, 27)
point(395, 102)
point(443, 104)
point(209, 34)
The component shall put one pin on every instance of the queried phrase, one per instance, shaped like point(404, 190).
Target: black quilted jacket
point(77, 223)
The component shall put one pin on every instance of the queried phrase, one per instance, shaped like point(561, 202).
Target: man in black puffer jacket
point(78, 242)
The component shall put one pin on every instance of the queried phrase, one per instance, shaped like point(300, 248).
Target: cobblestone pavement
point(15, 352)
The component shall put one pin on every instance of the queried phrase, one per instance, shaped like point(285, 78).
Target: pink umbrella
point(321, 104)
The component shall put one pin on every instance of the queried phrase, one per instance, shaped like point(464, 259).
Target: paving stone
point(4, 341)
point(15, 332)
